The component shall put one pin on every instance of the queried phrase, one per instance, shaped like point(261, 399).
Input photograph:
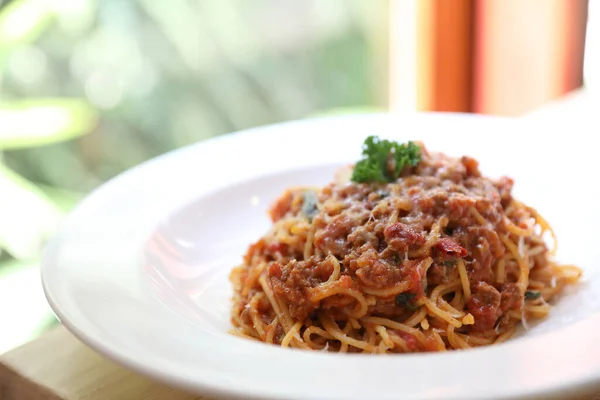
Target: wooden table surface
point(58, 366)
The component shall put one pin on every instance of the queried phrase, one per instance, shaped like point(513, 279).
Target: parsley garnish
point(531, 295)
point(406, 300)
point(383, 160)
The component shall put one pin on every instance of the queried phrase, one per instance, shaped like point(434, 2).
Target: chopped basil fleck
point(406, 300)
point(309, 205)
point(531, 295)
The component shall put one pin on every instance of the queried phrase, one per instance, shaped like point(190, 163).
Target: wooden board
point(58, 366)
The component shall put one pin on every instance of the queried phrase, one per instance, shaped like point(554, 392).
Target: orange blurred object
point(503, 57)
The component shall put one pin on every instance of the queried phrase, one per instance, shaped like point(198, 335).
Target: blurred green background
point(90, 88)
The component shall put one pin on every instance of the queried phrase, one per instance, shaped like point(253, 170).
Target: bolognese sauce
point(438, 257)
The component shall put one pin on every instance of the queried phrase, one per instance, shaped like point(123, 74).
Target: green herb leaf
point(309, 205)
point(406, 300)
point(383, 160)
point(531, 295)
point(450, 263)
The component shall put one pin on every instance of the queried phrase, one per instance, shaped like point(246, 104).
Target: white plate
point(139, 271)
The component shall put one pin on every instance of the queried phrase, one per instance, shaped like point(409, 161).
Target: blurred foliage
point(143, 77)
point(38, 122)
point(28, 215)
point(167, 74)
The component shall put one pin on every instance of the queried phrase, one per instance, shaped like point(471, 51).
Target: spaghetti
point(441, 258)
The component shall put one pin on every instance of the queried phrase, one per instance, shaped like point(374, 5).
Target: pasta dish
point(408, 250)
